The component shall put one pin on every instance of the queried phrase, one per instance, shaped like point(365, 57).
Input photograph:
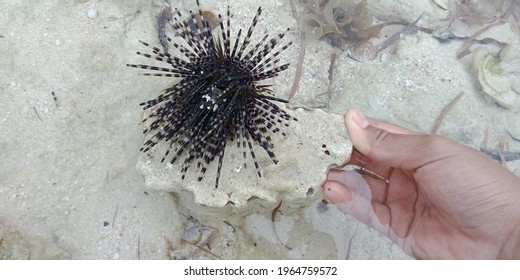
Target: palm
point(431, 196)
point(438, 208)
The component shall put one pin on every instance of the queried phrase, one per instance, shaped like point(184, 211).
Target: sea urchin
point(218, 97)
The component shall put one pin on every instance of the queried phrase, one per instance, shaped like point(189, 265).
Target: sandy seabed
point(71, 134)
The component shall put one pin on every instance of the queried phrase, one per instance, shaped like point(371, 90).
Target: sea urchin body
point(218, 97)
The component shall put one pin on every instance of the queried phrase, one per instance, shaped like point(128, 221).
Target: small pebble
point(92, 13)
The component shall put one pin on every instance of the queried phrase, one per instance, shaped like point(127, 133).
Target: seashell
point(499, 74)
point(338, 13)
point(346, 17)
point(330, 16)
point(311, 26)
point(364, 19)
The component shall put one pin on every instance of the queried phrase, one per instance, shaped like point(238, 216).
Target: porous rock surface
point(315, 142)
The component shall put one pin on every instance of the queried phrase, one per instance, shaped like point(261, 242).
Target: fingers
point(392, 128)
point(390, 144)
point(350, 193)
point(347, 178)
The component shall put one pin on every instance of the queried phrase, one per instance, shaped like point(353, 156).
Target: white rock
point(499, 75)
point(315, 142)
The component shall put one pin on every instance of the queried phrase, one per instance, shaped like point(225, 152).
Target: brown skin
point(454, 201)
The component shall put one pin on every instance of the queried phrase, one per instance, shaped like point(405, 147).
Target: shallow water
point(71, 136)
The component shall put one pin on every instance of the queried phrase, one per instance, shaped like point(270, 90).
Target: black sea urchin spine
point(218, 97)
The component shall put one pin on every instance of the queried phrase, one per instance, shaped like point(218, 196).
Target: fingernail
point(336, 192)
point(360, 119)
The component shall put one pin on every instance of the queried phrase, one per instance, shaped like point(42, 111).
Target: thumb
point(390, 144)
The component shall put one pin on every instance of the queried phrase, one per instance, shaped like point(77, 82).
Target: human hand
point(442, 200)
